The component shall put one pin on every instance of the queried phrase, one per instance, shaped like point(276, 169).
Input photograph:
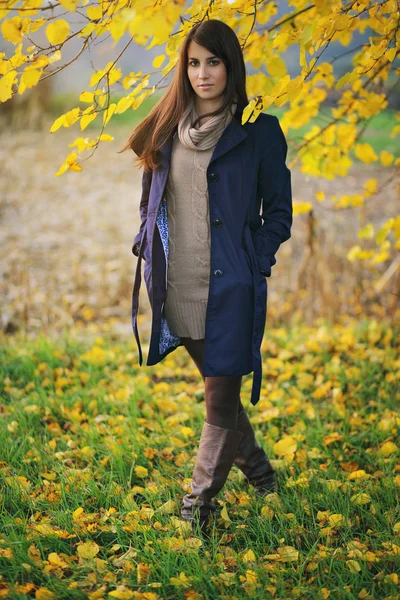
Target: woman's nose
point(203, 74)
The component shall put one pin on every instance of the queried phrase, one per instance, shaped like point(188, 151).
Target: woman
point(207, 252)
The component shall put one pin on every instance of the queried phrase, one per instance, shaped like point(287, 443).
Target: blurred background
point(66, 241)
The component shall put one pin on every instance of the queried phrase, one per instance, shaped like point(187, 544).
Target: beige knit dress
point(188, 241)
point(188, 275)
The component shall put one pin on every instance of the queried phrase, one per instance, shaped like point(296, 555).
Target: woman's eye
point(194, 63)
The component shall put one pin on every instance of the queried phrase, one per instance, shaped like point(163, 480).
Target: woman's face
point(205, 68)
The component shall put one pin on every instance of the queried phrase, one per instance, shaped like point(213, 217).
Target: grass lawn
point(97, 452)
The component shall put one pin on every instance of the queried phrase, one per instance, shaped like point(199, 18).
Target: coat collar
point(232, 135)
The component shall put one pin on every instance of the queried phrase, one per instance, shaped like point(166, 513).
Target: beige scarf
point(209, 133)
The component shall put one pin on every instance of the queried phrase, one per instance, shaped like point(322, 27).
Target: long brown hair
point(153, 132)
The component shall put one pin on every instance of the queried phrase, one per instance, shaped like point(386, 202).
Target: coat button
point(213, 176)
point(218, 273)
point(217, 222)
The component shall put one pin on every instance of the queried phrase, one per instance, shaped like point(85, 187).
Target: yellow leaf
point(300, 208)
point(69, 163)
point(359, 474)
point(108, 113)
point(94, 13)
point(302, 56)
point(123, 105)
point(249, 556)
point(82, 144)
point(353, 565)
point(181, 581)
point(158, 61)
point(388, 448)
point(365, 153)
point(57, 560)
point(66, 120)
point(14, 29)
point(141, 471)
point(342, 22)
point(6, 83)
point(330, 438)
point(248, 110)
point(49, 476)
point(69, 4)
point(77, 513)
point(366, 232)
point(360, 499)
point(224, 514)
point(276, 66)
point(55, 57)
point(58, 31)
point(287, 445)
point(267, 512)
point(44, 594)
point(371, 185)
point(59, 122)
point(187, 432)
point(28, 79)
point(87, 97)
point(121, 594)
point(288, 553)
point(143, 572)
point(86, 119)
point(87, 549)
point(386, 158)
point(105, 137)
point(335, 520)
point(168, 507)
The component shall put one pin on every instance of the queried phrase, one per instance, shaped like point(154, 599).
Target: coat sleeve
point(274, 186)
point(146, 184)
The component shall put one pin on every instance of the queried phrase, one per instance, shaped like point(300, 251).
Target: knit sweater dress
point(188, 275)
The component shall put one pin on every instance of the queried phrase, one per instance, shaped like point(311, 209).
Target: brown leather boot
point(217, 449)
point(252, 459)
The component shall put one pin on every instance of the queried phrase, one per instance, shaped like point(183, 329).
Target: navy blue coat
point(247, 173)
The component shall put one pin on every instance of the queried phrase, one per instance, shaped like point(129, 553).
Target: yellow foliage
point(301, 207)
point(6, 83)
point(366, 232)
point(387, 449)
point(353, 565)
point(70, 5)
point(141, 472)
point(365, 153)
point(58, 31)
point(70, 163)
point(14, 29)
point(87, 550)
point(158, 61)
point(287, 445)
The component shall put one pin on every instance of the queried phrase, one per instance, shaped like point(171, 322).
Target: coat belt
point(257, 317)
point(135, 297)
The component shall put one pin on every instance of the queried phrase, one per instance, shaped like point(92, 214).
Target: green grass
point(97, 452)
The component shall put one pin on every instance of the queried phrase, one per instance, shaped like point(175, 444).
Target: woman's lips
point(204, 87)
